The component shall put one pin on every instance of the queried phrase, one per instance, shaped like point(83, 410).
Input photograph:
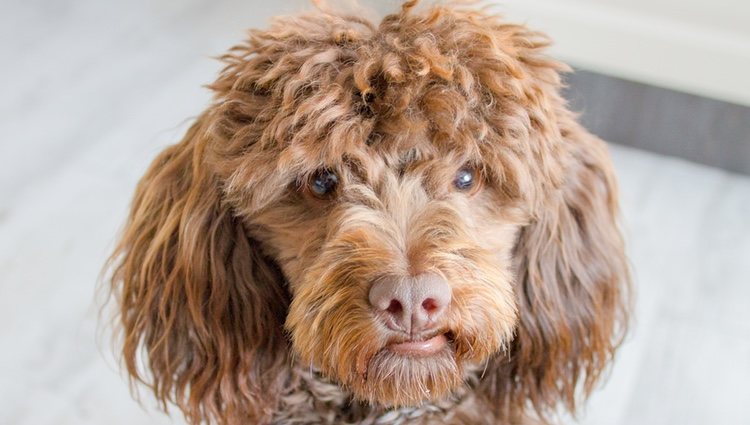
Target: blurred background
point(92, 90)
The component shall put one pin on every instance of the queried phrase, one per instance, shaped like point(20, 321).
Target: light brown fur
point(248, 296)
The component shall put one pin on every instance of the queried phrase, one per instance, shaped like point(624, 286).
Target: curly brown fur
point(248, 295)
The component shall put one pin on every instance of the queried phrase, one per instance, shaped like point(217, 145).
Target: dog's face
point(395, 206)
point(399, 267)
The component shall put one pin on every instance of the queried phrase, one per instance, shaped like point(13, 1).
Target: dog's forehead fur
point(319, 90)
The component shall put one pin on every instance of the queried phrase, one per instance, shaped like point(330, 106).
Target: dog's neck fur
point(312, 399)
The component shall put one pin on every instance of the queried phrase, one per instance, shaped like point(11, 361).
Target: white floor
point(92, 90)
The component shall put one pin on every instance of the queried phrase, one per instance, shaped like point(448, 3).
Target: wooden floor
point(91, 90)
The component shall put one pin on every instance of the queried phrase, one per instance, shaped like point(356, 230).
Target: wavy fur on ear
point(572, 287)
point(196, 296)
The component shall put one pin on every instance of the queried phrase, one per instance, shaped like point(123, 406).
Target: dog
point(393, 223)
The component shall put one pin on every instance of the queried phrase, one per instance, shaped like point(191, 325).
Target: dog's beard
point(393, 379)
point(348, 348)
point(361, 361)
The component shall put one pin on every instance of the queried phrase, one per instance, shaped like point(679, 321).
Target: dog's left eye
point(323, 183)
point(464, 179)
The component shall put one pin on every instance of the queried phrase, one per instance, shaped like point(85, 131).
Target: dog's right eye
point(323, 183)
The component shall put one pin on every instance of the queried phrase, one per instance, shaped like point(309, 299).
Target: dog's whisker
point(484, 370)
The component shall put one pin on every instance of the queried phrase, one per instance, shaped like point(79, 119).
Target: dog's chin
point(410, 373)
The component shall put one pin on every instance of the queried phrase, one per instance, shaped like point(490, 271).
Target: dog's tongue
point(420, 348)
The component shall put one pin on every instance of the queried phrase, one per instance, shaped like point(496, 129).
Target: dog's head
point(388, 205)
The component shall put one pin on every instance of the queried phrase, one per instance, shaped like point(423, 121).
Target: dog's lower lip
point(423, 348)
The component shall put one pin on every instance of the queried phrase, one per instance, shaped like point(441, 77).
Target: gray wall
point(699, 129)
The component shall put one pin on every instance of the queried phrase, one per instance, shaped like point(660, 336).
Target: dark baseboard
point(695, 128)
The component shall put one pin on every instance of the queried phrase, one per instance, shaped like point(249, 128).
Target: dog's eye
point(323, 183)
point(464, 179)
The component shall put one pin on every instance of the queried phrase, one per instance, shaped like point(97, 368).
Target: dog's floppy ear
point(572, 286)
point(195, 295)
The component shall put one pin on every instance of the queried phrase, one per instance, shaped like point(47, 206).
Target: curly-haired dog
point(398, 223)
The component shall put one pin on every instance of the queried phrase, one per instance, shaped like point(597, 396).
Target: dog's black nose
point(413, 304)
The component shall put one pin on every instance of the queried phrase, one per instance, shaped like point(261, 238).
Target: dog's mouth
point(432, 346)
point(421, 347)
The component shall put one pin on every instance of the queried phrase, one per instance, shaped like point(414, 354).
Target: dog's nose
point(412, 304)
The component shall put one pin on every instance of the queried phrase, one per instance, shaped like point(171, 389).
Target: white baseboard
point(706, 60)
